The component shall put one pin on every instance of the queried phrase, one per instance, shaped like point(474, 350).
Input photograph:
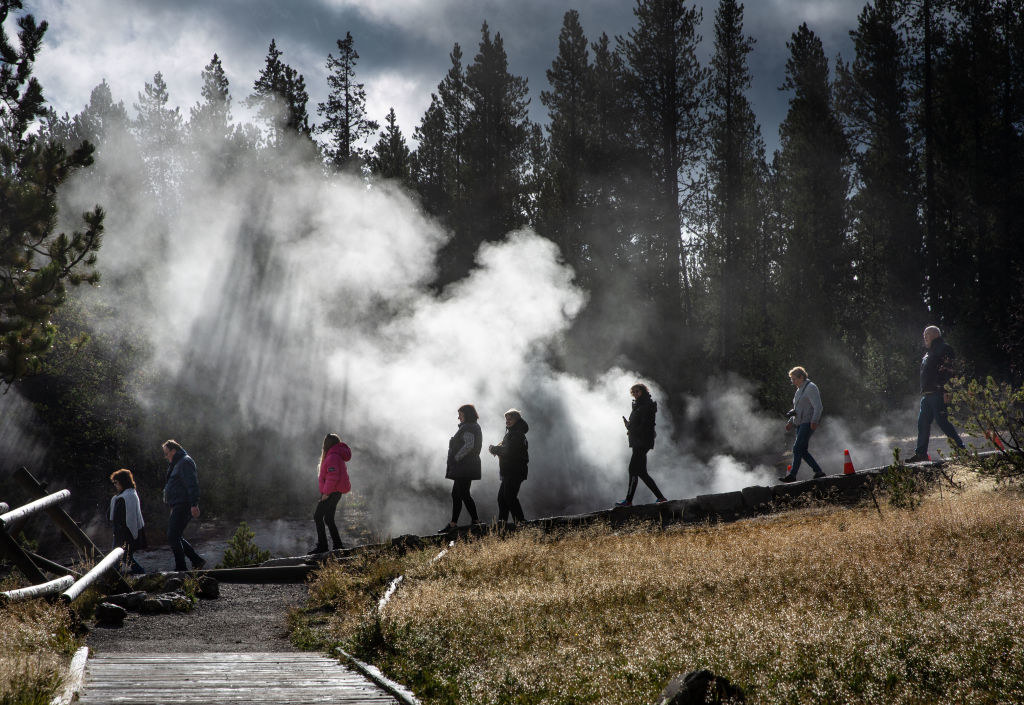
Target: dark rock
point(209, 588)
point(151, 582)
point(724, 506)
point(700, 688)
point(128, 600)
point(758, 499)
point(173, 584)
point(110, 615)
point(167, 602)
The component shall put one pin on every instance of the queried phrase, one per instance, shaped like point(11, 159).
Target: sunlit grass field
point(820, 605)
point(36, 644)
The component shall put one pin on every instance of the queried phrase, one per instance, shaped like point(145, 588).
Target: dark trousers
point(508, 500)
point(324, 514)
point(933, 408)
point(800, 452)
point(638, 471)
point(128, 560)
point(181, 515)
point(460, 496)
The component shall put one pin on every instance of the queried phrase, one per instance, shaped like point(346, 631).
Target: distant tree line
point(894, 200)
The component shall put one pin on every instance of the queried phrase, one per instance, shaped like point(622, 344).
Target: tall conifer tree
point(669, 89)
point(344, 112)
point(813, 187)
point(734, 251)
point(36, 263)
point(390, 156)
point(280, 97)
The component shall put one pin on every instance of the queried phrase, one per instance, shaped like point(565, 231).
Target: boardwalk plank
point(235, 678)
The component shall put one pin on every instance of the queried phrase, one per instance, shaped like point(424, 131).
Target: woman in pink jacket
point(334, 482)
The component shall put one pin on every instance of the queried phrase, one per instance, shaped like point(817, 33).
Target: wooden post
point(10, 548)
point(51, 566)
point(50, 588)
point(64, 521)
point(27, 510)
point(76, 590)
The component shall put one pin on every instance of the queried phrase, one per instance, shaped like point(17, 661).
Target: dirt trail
point(245, 618)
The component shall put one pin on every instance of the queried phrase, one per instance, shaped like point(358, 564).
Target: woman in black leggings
point(641, 433)
point(464, 464)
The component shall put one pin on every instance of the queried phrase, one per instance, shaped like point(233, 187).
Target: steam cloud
point(280, 298)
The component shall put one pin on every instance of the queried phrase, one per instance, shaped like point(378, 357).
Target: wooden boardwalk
point(237, 678)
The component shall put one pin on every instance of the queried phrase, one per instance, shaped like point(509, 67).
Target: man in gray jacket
point(181, 493)
point(806, 414)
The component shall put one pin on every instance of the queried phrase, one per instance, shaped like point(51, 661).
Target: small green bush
point(242, 550)
point(994, 411)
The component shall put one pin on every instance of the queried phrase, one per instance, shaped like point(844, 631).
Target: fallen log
point(32, 591)
point(83, 583)
point(50, 500)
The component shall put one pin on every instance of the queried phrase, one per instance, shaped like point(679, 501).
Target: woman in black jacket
point(640, 431)
point(464, 463)
point(513, 458)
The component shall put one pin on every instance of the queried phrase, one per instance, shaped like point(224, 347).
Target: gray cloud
point(403, 45)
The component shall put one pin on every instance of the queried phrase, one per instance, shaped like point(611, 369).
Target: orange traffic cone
point(996, 441)
point(847, 463)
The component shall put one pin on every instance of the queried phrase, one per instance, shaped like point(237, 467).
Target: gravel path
point(245, 618)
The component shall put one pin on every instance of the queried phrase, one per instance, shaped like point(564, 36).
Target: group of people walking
point(181, 486)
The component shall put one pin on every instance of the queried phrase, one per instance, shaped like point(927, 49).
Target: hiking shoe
point(624, 503)
point(198, 565)
point(661, 501)
point(316, 549)
point(445, 529)
point(918, 458)
point(818, 474)
point(787, 478)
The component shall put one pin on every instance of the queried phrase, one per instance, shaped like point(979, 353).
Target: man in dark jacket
point(937, 368)
point(513, 459)
point(640, 431)
point(181, 493)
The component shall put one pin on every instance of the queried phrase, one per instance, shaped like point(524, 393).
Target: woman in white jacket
point(126, 516)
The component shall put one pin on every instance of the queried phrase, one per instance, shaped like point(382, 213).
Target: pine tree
point(430, 162)
point(36, 263)
point(562, 210)
point(344, 112)
point(211, 118)
point(813, 184)
point(874, 97)
point(490, 165)
point(159, 131)
point(732, 255)
point(279, 95)
point(390, 156)
point(668, 87)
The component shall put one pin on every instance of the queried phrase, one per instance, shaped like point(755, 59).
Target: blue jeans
point(800, 452)
point(933, 408)
point(181, 515)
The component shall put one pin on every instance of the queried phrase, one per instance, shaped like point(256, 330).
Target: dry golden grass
point(822, 605)
point(37, 642)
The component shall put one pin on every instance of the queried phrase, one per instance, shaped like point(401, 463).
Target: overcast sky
point(403, 44)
